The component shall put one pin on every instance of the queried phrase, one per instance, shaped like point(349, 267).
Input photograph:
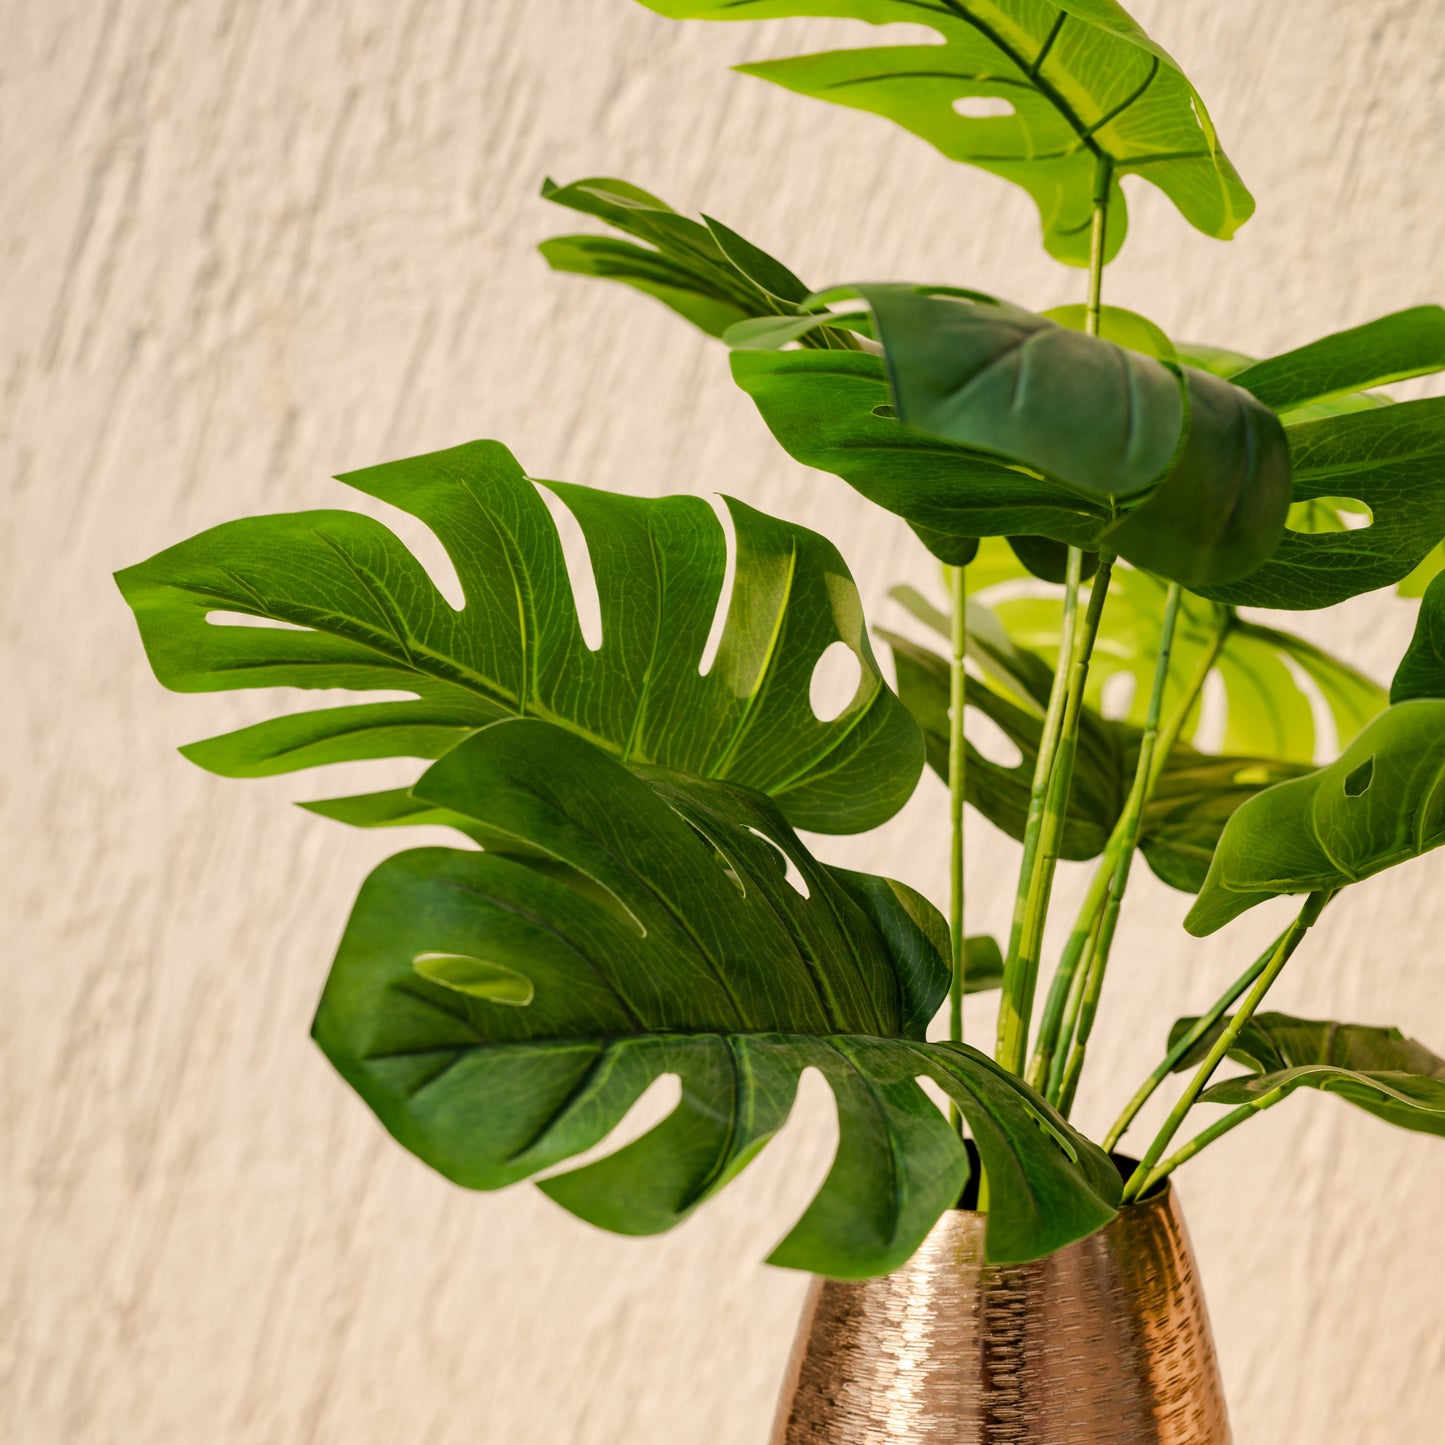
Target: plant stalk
point(1145, 1176)
point(1220, 1127)
point(1053, 769)
point(1202, 1026)
point(1105, 888)
point(957, 765)
point(1145, 775)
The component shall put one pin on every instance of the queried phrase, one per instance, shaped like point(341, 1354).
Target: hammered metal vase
point(1104, 1343)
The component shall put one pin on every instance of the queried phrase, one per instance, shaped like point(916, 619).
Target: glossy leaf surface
point(689, 953)
point(1380, 803)
point(361, 613)
point(1075, 83)
point(1377, 1069)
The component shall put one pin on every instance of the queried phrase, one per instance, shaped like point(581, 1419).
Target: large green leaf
point(991, 420)
point(703, 270)
point(1403, 344)
point(1077, 83)
point(1378, 1069)
point(834, 411)
point(500, 1020)
point(361, 613)
point(1391, 458)
point(1380, 803)
point(1182, 821)
point(1422, 669)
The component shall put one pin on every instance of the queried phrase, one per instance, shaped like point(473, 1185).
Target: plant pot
point(1105, 1342)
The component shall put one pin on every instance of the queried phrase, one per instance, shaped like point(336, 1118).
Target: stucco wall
point(249, 245)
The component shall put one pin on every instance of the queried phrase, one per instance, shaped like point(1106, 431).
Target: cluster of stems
point(1072, 1003)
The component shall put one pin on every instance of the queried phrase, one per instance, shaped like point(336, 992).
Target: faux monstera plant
point(628, 897)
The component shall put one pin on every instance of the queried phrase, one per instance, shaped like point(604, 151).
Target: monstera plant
point(628, 897)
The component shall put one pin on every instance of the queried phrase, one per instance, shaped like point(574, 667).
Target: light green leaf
point(1380, 803)
point(361, 613)
point(1415, 584)
point(1182, 822)
point(1404, 344)
point(1377, 1069)
point(707, 964)
point(1422, 670)
point(1266, 712)
point(1124, 328)
point(1063, 88)
point(1390, 458)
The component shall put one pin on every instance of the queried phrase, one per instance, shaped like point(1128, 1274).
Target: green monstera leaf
point(703, 270)
point(1380, 803)
point(1183, 820)
point(500, 1018)
point(990, 420)
point(1393, 348)
point(1377, 1069)
point(361, 613)
point(1422, 670)
point(1389, 458)
point(1054, 97)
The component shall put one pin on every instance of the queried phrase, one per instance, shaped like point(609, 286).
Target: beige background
point(248, 245)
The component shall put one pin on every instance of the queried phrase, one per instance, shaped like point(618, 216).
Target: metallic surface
point(1104, 1343)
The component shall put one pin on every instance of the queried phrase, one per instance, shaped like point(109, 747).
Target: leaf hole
point(247, 619)
point(1360, 778)
point(1329, 514)
point(836, 676)
point(983, 107)
point(886, 409)
point(725, 594)
point(1213, 709)
point(791, 875)
point(991, 741)
point(476, 977)
point(1116, 696)
point(578, 561)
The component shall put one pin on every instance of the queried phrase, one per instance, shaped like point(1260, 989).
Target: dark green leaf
point(1097, 417)
point(1422, 670)
point(1404, 344)
point(1076, 82)
point(708, 965)
point(1378, 1069)
point(833, 411)
point(1380, 803)
point(1221, 510)
point(1391, 459)
point(701, 269)
point(363, 614)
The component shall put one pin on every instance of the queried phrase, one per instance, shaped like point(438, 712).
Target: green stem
point(1012, 1020)
point(1127, 830)
point(1051, 834)
point(1047, 1071)
point(1220, 1127)
point(1181, 1050)
point(1143, 1176)
point(1105, 888)
point(1048, 796)
point(957, 762)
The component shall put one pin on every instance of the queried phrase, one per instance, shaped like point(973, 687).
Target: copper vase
point(1104, 1343)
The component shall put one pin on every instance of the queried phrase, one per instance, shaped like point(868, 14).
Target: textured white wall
point(247, 245)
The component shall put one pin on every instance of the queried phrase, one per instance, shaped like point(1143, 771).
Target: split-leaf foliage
point(633, 901)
